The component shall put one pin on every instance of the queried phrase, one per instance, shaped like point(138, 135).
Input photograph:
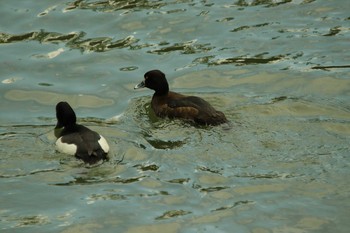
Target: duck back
point(88, 144)
point(193, 108)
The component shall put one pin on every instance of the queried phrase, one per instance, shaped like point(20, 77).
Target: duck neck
point(161, 93)
point(164, 90)
point(70, 127)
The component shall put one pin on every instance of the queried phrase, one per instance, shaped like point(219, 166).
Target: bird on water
point(78, 140)
point(166, 103)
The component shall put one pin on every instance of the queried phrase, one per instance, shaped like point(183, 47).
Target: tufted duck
point(75, 139)
point(170, 104)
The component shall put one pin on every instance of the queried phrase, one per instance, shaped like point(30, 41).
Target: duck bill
point(140, 85)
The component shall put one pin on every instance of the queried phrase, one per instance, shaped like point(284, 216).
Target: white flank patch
point(103, 143)
point(65, 148)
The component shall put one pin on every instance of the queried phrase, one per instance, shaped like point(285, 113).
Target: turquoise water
point(279, 70)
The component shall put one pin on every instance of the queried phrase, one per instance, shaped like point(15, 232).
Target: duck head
point(155, 80)
point(65, 115)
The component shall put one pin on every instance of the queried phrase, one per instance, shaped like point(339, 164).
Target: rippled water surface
point(279, 70)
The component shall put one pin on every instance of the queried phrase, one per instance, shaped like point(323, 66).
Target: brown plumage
point(170, 104)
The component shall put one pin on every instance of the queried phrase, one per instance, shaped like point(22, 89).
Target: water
point(278, 69)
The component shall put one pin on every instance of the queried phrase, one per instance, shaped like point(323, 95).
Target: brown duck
point(170, 104)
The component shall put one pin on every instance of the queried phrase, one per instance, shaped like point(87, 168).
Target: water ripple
point(333, 31)
point(189, 47)
point(245, 60)
point(31, 220)
point(172, 214)
point(237, 203)
point(148, 167)
point(179, 181)
point(41, 36)
point(94, 180)
point(114, 5)
point(117, 196)
point(248, 27)
point(74, 40)
point(266, 3)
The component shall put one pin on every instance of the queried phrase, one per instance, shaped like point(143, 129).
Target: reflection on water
point(282, 81)
point(73, 40)
point(107, 6)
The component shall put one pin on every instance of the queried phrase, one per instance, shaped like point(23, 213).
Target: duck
point(166, 103)
point(78, 140)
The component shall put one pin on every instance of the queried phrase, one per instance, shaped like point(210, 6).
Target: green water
point(279, 70)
